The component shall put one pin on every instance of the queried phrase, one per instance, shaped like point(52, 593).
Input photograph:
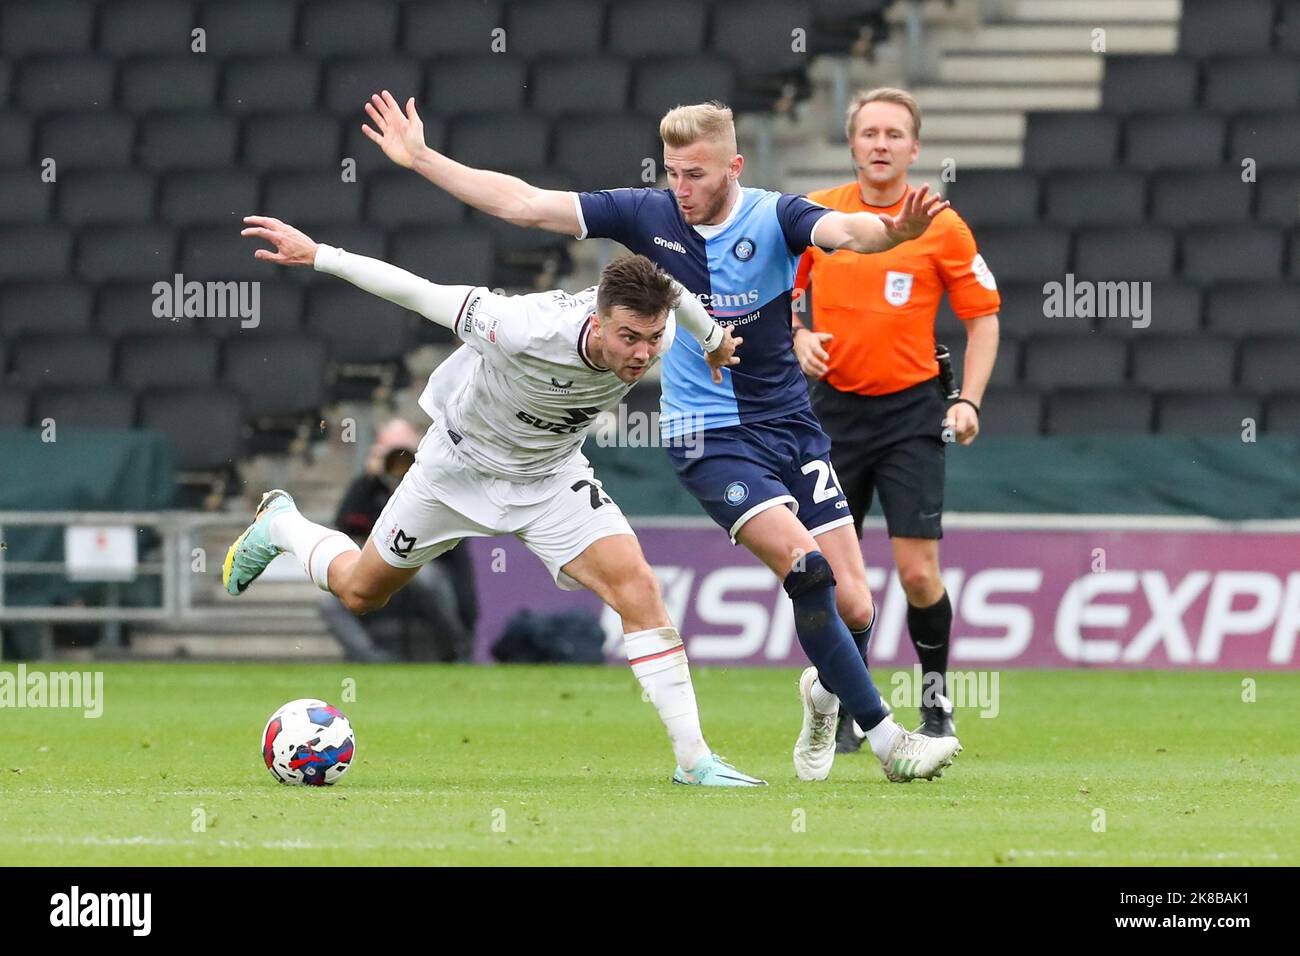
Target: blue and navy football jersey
point(742, 270)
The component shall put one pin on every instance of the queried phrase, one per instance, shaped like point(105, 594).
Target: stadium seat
point(249, 27)
point(544, 27)
point(298, 196)
point(111, 197)
point(15, 139)
point(1095, 198)
point(53, 305)
point(355, 326)
point(590, 84)
point(438, 28)
point(1282, 415)
point(1126, 253)
point(1173, 308)
point(145, 252)
point(1293, 259)
point(370, 158)
point(36, 27)
point(758, 35)
point(995, 197)
point(220, 253)
point(1270, 365)
point(1148, 84)
point(629, 37)
point(1075, 361)
point(1212, 415)
point(136, 27)
point(42, 360)
point(1246, 309)
point(1279, 197)
point(483, 83)
point(349, 83)
point(88, 140)
point(277, 375)
point(1212, 28)
point(501, 141)
point(1012, 411)
point(1024, 313)
point(204, 426)
point(662, 83)
point(279, 306)
point(47, 84)
point(35, 252)
point(14, 401)
point(183, 141)
point(167, 361)
point(362, 238)
point(269, 84)
point(291, 141)
point(452, 255)
point(605, 151)
point(1224, 253)
point(193, 198)
point(396, 198)
point(347, 27)
point(1271, 139)
point(1173, 140)
point(1016, 253)
point(1252, 83)
point(127, 308)
point(1190, 198)
point(1197, 364)
point(26, 198)
point(184, 82)
point(6, 72)
point(1071, 141)
point(94, 407)
point(1120, 411)
point(1006, 370)
point(1288, 29)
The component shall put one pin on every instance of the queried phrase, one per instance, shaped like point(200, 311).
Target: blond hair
point(883, 94)
point(684, 125)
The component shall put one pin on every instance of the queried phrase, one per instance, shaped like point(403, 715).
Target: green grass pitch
point(560, 765)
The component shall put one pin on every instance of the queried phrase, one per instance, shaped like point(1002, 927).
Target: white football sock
point(313, 544)
point(824, 702)
point(658, 660)
point(883, 736)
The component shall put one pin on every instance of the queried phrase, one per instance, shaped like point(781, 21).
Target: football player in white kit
point(504, 456)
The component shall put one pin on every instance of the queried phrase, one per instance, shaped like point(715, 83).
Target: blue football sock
point(826, 640)
point(862, 638)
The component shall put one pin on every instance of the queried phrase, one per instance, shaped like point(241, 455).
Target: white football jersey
point(518, 400)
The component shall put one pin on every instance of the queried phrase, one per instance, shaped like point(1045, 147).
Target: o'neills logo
point(672, 244)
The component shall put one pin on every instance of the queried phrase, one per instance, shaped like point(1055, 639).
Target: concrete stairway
point(978, 76)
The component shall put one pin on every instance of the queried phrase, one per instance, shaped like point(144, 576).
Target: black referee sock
point(931, 629)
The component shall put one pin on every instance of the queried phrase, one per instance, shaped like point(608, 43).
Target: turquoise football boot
point(253, 550)
point(713, 771)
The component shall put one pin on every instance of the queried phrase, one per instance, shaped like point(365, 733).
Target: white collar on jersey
point(708, 232)
point(582, 346)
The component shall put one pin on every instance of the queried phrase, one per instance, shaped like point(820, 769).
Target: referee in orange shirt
point(878, 394)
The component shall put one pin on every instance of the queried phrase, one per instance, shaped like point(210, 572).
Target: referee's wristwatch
point(966, 401)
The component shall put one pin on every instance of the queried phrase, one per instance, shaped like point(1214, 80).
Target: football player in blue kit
point(761, 468)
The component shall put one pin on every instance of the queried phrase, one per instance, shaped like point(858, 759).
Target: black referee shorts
point(891, 444)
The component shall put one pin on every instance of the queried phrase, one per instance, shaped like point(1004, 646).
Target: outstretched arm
point(438, 303)
point(868, 232)
point(401, 136)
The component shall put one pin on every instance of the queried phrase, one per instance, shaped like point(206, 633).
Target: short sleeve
point(798, 215)
point(493, 322)
point(972, 289)
point(607, 213)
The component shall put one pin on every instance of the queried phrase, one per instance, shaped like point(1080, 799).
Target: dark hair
point(637, 284)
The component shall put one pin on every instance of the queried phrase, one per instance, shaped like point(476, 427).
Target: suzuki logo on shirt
point(672, 244)
point(898, 287)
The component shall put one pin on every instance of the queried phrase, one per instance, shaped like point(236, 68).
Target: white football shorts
point(442, 499)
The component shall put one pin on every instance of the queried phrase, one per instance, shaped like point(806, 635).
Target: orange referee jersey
point(881, 307)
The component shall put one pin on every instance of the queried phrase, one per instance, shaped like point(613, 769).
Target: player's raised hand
point(919, 210)
point(724, 355)
point(400, 135)
point(293, 247)
point(808, 350)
